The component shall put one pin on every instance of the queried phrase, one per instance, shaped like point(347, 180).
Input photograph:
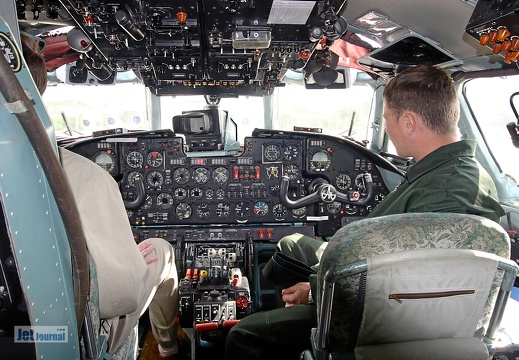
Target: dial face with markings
point(241, 209)
point(183, 211)
point(279, 211)
point(134, 159)
point(291, 152)
point(334, 207)
point(203, 210)
point(105, 161)
point(164, 201)
point(261, 208)
point(201, 175)
point(154, 159)
point(343, 181)
point(272, 152)
point(320, 161)
point(299, 212)
point(196, 193)
point(220, 194)
point(222, 210)
point(220, 175)
point(180, 193)
point(132, 177)
point(292, 171)
point(181, 175)
point(155, 179)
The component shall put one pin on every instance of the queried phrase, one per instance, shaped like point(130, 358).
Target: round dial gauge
point(155, 178)
point(105, 160)
point(272, 152)
point(222, 210)
point(183, 211)
point(209, 194)
point(241, 209)
point(181, 175)
point(272, 172)
point(201, 175)
point(261, 208)
point(203, 210)
point(279, 211)
point(164, 201)
point(132, 177)
point(180, 193)
point(154, 159)
point(343, 181)
point(320, 161)
point(196, 193)
point(334, 207)
point(291, 152)
point(220, 175)
point(299, 212)
point(292, 171)
point(220, 194)
point(134, 159)
point(350, 209)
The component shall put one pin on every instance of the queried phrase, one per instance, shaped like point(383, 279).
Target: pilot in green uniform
point(421, 112)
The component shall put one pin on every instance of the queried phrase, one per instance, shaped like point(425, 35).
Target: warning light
point(181, 15)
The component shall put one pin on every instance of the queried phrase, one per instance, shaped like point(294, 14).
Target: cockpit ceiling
point(202, 47)
point(232, 47)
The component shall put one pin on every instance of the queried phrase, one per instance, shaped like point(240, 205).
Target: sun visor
point(400, 47)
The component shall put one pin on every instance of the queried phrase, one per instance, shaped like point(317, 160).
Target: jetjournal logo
point(31, 334)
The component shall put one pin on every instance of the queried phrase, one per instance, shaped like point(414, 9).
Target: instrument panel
point(163, 185)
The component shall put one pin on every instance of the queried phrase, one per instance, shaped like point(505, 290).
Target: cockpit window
point(489, 99)
point(343, 112)
point(92, 108)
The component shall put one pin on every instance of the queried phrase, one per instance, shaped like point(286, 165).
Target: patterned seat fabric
point(393, 233)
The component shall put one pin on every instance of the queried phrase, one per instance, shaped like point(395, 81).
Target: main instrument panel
point(223, 213)
point(278, 178)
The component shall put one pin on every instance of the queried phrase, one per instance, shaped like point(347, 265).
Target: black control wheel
point(326, 193)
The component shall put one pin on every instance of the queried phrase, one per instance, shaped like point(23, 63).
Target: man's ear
point(409, 122)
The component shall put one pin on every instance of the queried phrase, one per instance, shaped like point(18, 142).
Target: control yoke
point(326, 193)
point(140, 195)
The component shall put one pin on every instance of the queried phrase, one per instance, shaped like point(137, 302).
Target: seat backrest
point(444, 289)
point(398, 233)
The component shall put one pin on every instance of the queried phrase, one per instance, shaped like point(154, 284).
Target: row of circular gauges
point(220, 176)
point(273, 152)
point(106, 159)
point(320, 160)
point(241, 210)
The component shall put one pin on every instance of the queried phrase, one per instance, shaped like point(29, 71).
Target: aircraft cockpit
point(228, 125)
